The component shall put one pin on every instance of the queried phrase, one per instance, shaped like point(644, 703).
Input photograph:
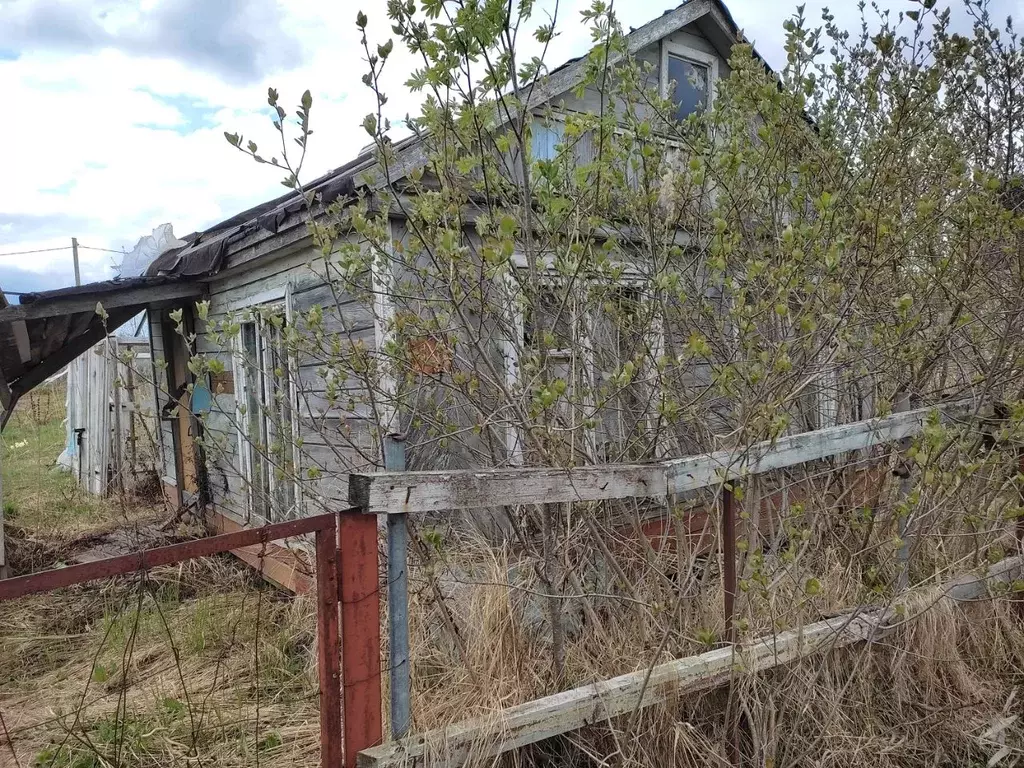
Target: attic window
point(688, 77)
point(545, 138)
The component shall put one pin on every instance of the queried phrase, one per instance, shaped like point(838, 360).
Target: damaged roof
point(48, 330)
point(206, 252)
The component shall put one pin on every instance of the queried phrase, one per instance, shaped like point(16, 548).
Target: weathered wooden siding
point(334, 434)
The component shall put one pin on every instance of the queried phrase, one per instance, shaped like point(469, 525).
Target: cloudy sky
point(118, 109)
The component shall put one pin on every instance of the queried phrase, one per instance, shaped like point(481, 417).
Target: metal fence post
point(729, 561)
point(730, 588)
point(328, 647)
point(359, 586)
point(398, 601)
point(904, 524)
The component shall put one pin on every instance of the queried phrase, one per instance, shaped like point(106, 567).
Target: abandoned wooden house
point(256, 272)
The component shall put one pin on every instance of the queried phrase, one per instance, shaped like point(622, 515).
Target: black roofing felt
point(98, 289)
point(206, 251)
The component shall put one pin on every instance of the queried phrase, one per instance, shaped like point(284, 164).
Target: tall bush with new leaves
point(574, 278)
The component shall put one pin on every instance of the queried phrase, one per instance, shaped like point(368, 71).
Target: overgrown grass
point(197, 665)
point(42, 502)
point(204, 664)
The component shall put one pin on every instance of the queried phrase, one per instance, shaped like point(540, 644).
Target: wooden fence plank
point(412, 492)
point(564, 712)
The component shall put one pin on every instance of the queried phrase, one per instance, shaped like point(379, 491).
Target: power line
point(105, 250)
point(41, 250)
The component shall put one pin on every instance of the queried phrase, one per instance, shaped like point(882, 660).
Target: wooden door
point(185, 443)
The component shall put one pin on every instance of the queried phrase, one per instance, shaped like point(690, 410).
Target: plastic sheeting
point(147, 250)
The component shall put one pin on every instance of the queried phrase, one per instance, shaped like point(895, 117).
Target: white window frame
point(279, 300)
point(694, 56)
point(510, 347)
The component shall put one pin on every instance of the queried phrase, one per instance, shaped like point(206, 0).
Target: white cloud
point(104, 140)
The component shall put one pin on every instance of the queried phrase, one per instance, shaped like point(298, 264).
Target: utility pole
point(74, 253)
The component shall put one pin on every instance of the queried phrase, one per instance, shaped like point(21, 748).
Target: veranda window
point(267, 418)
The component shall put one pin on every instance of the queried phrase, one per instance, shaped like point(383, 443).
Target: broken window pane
point(547, 323)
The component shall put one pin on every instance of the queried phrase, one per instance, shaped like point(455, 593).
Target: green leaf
point(307, 100)
point(361, 20)
point(172, 706)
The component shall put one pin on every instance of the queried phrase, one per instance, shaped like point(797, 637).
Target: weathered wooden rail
point(397, 494)
point(387, 493)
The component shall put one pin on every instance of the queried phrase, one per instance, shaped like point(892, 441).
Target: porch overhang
point(46, 331)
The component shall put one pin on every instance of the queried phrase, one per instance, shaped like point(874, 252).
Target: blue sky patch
point(6, 54)
point(196, 114)
point(60, 189)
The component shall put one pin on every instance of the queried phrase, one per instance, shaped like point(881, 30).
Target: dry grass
point(199, 665)
point(938, 693)
point(44, 506)
point(204, 665)
point(941, 692)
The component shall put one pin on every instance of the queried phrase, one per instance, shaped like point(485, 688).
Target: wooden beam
point(974, 586)
point(126, 297)
point(7, 399)
point(696, 472)
point(279, 565)
point(431, 491)
point(569, 711)
point(412, 492)
point(20, 331)
point(56, 333)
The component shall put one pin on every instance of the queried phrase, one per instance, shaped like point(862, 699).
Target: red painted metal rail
point(348, 610)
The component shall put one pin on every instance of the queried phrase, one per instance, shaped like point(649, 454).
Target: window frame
point(694, 56)
point(629, 279)
point(251, 316)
